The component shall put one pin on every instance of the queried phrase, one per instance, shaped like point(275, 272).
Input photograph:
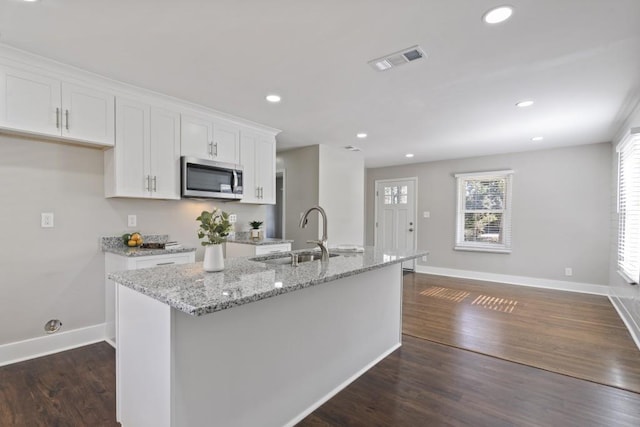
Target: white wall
point(561, 212)
point(341, 194)
point(59, 272)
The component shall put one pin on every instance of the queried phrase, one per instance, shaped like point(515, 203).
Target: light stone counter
point(190, 289)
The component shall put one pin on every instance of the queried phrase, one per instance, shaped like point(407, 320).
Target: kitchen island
point(257, 344)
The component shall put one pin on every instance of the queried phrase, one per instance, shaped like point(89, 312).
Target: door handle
point(165, 263)
point(211, 148)
point(147, 185)
point(66, 118)
point(57, 118)
point(216, 145)
point(155, 183)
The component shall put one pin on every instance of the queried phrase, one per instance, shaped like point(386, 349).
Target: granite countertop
point(188, 288)
point(114, 245)
point(244, 237)
point(267, 241)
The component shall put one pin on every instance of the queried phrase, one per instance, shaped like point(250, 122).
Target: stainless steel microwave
point(208, 179)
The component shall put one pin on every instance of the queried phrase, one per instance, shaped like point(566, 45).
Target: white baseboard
point(49, 344)
point(339, 388)
point(560, 285)
point(627, 318)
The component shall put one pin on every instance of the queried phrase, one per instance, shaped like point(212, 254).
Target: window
point(629, 206)
point(484, 211)
point(395, 195)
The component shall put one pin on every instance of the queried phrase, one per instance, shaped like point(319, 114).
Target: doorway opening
point(276, 213)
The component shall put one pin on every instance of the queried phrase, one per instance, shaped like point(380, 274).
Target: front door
point(395, 227)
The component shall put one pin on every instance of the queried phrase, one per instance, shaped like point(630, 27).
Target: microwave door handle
point(235, 181)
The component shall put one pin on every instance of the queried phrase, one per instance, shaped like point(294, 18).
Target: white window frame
point(505, 246)
point(628, 206)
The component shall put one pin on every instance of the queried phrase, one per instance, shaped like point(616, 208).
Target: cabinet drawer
point(269, 249)
point(158, 260)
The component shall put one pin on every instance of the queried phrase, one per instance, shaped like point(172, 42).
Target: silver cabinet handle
point(262, 192)
point(147, 185)
point(57, 118)
point(166, 263)
point(257, 192)
point(216, 145)
point(155, 183)
point(66, 118)
point(211, 148)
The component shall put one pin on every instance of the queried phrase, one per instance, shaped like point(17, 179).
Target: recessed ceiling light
point(273, 98)
point(409, 155)
point(498, 14)
point(537, 138)
point(361, 135)
point(31, 1)
point(523, 104)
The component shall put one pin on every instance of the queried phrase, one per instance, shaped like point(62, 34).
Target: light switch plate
point(426, 214)
point(233, 218)
point(132, 220)
point(46, 219)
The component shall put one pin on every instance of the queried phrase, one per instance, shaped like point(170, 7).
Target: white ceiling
point(578, 59)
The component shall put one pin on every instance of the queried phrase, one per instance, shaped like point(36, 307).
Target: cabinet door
point(225, 142)
point(165, 154)
point(132, 148)
point(87, 114)
point(29, 102)
point(247, 160)
point(265, 161)
point(196, 137)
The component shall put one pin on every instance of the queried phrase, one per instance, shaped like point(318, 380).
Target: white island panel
point(268, 363)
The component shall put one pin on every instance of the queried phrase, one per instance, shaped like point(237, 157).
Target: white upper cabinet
point(88, 114)
point(36, 103)
point(145, 161)
point(165, 154)
point(207, 138)
point(258, 158)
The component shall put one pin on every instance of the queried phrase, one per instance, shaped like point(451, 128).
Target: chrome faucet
point(323, 242)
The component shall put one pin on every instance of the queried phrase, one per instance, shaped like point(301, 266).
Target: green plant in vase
point(255, 229)
point(214, 228)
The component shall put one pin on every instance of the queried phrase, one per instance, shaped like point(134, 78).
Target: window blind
point(629, 206)
point(484, 211)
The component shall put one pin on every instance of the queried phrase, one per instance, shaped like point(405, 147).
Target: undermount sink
point(285, 259)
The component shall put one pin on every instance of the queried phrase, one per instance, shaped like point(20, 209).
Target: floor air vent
point(395, 59)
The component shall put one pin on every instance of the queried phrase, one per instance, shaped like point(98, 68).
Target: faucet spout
point(322, 243)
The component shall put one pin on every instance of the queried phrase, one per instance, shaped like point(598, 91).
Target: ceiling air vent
point(402, 57)
point(351, 148)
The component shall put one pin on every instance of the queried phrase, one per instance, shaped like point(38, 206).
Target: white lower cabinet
point(145, 163)
point(114, 262)
point(235, 250)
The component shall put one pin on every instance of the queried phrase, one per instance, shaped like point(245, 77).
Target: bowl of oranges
point(132, 240)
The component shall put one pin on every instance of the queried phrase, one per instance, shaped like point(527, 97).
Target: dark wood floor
point(569, 333)
point(72, 388)
point(424, 383)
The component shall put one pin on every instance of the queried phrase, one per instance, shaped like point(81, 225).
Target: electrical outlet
point(424, 258)
point(426, 214)
point(46, 219)
point(568, 271)
point(233, 218)
point(132, 221)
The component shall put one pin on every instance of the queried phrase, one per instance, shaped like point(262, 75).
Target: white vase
point(213, 258)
